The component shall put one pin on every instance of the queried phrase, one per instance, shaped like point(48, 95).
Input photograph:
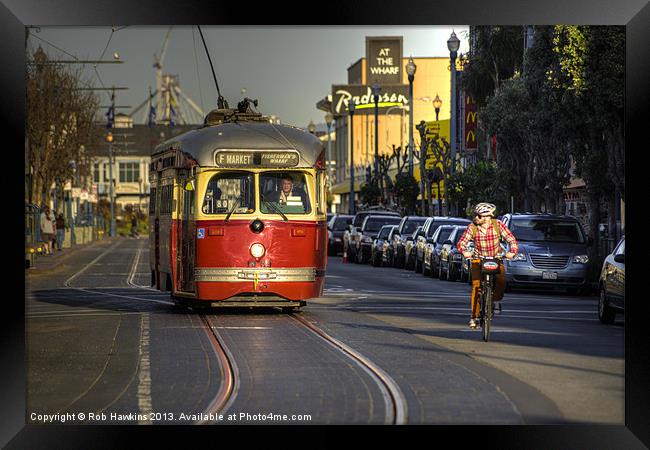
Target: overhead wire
point(196, 60)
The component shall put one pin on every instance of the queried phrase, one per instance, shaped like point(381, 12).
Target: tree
point(406, 190)
point(59, 124)
point(496, 55)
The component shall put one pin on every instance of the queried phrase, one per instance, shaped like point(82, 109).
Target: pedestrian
point(60, 231)
point(47, 229)
point(134, 226)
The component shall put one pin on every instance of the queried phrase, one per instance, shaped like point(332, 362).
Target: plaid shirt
point(486, 243)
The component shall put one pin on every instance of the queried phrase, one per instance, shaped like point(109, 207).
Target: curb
point(46, 266)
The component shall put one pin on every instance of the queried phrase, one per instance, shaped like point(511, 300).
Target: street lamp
point(109, 139)
point(311, 127)
point(410, 70)
point(351, 107)
point(328, 120)
point(437, 103)
point(453, 44)
point(375, 96)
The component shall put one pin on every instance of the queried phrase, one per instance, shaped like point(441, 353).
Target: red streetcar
point(238, 214)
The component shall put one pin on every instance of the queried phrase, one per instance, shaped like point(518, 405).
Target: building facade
point(383, 65)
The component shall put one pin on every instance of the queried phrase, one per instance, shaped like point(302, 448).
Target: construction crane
point(168, 95)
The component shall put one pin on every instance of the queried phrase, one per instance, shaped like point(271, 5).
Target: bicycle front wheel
point(487, 312)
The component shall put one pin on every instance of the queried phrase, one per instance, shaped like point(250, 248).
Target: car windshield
point(340, 224)
point(284, 192)
point(434, 226)
point(383, 233)
point(228, 190)
point(540, 230)
point(411, 225)
point(374, 224)
point(459, 233)
point(444, 235)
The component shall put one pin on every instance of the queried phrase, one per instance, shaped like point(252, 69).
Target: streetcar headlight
point(257, 250)
point(581, 259)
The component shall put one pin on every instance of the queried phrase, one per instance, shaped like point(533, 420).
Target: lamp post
point(437, 103)
point(311, 127)
point(422, 128)
point(109, 139)
point(351, 107)
point(375, 96)
point(453, 44)
point(410, 70)
point(328, 120)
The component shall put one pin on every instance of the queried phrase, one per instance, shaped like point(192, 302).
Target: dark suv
point(553, 252)
point(335, 229)
point(428, 229)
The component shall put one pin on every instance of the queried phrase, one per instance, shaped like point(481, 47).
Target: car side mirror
point(620, 258)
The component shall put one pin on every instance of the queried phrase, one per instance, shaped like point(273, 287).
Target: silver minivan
point(553, 252)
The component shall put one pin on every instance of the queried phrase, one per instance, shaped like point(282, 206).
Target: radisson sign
point(390, 95)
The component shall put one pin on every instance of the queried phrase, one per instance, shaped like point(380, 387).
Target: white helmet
point(484, 208)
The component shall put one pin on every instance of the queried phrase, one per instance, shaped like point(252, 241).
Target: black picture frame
point(16, 14)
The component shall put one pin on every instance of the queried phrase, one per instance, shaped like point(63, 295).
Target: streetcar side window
point(284, 192)
point(152, 202)
point(228, 190)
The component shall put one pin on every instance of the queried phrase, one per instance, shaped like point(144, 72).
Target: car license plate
point(549, 275)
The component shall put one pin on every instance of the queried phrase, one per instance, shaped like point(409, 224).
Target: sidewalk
point(46, 263)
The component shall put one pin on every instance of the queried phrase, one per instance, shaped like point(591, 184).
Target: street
point(381, 346)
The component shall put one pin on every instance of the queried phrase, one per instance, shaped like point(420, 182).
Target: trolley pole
point(351, 109)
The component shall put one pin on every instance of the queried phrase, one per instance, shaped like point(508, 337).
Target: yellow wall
point(431, 77)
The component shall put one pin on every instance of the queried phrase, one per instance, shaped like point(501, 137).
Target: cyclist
point(487, 233)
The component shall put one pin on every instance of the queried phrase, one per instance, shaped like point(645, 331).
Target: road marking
point(144, 373)
point(69, 280)
point(242, 328)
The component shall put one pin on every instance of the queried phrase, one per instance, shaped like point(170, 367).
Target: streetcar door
point(185, 236)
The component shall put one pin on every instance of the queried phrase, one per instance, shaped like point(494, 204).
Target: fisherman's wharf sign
point(390, 95)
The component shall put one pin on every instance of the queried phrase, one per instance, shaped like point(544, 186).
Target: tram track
point(396, 408)
point(393, 398)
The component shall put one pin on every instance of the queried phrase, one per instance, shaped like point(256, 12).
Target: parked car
point(335, 229)
point(611, 285)
point(351, 235)
point(378, 245)
point(553, 252)
point(431, 262)
point(404, 232)
point(369, 231)
point(387, 256)
point(409, 249)
point(329, 217)
point(450, 259)
point(429, 228)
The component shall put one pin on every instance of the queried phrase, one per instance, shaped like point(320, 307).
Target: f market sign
point(390, 95)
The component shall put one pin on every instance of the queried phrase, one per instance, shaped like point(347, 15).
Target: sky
point(288, 69)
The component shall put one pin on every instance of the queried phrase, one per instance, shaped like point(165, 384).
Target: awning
point(344, 187)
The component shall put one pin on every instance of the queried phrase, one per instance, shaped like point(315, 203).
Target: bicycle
point(490, 266)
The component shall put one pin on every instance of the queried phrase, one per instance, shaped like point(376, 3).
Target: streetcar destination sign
point(264, 158)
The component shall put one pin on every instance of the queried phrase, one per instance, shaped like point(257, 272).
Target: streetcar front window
point(284, 192)
point(230, 191)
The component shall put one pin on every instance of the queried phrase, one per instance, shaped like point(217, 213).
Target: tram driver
point(287, 191)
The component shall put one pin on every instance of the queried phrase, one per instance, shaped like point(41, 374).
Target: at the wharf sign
point(391, 95)
point(384, 60)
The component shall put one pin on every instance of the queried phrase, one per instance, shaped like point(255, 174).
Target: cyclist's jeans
point(476, 286)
